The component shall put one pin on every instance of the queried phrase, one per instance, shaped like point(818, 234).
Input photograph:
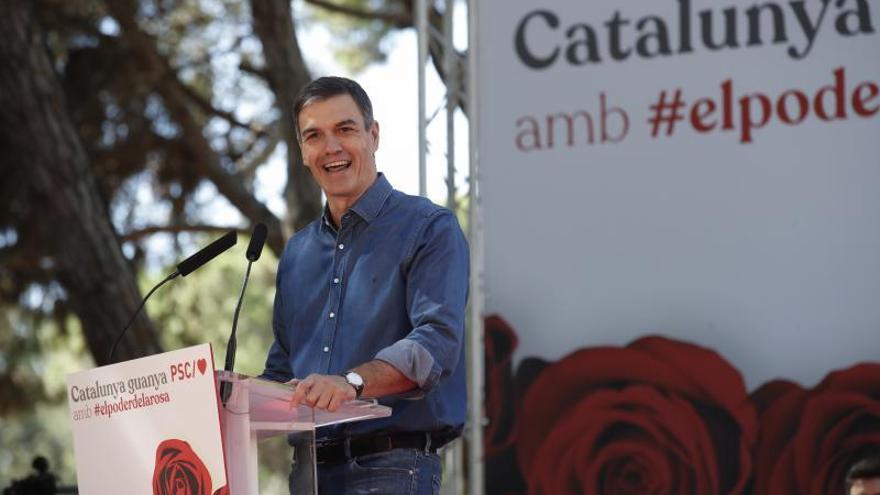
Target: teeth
point(336, 165)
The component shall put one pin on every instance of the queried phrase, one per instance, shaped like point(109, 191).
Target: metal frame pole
point(452, 96)
point(476, 483)
point(423, 34)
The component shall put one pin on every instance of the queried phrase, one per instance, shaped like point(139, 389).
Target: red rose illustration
point(499, 435)
point(179, 470)
point(658, 416)
point(500, 342)
point(809, 438)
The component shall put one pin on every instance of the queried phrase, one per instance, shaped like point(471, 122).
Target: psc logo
point(188, 369)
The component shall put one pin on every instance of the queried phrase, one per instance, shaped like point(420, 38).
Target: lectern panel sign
point(148, 426)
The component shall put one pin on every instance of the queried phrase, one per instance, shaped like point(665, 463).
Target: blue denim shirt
point(390, 284)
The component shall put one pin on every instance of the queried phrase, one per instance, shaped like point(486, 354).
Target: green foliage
point(44, 431)
point(358, 41)
point(369, 47)
point(462, 211)
point(199, 308)
point(37, 354)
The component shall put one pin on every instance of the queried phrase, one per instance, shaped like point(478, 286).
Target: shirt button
point(332, 315)
point(342, 246)
point(326, 349)
point(336, 280)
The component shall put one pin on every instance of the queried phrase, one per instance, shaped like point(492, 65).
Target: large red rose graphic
point(180, 471)
point(499, 435)
point(657, 416)
point(809, 438)
point(500, 342)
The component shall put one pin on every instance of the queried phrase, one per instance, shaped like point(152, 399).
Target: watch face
point(354, 379)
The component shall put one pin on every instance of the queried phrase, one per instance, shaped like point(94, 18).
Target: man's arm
point(330, 391)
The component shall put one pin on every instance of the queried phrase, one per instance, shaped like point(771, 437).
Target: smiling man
point(370, 303)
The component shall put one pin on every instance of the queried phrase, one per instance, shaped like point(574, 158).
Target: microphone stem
point(136, 312)
point(230, 347)
point(226, 387)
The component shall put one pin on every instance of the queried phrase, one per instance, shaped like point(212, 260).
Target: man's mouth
point(337, 166)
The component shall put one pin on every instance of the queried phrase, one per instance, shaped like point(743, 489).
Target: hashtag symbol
point(670, 113)
point(97, 409)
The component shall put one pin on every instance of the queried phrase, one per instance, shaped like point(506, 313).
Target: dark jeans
point(398, 471)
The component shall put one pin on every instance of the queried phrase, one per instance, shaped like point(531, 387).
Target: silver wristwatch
point(355, 380)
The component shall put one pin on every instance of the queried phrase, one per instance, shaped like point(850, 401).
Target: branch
point(247, 168)
point(209, 108)
point(254, 70)
point(398, 19)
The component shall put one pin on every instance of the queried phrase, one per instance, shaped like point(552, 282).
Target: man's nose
point(332, 145)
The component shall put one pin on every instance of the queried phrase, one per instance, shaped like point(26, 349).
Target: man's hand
point(322, 391)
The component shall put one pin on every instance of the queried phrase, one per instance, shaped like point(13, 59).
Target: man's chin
point(338, 191)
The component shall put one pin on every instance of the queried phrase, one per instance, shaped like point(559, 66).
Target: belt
point(342, 450)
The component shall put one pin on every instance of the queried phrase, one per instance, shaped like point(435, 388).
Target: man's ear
point(374, 133)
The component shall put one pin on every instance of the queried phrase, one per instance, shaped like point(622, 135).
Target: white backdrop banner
point(704, 170)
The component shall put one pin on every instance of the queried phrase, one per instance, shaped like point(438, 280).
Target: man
point(863, 478)
point(370, 302)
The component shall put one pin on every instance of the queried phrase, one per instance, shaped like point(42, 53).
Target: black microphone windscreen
point(258, 238)
point(206, 254)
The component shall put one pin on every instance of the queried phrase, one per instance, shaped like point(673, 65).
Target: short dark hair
point(865, 468)
point(327, 87)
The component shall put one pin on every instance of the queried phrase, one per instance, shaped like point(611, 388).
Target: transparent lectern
point(257, 409)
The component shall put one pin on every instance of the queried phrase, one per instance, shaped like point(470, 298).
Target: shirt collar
point(370, 202)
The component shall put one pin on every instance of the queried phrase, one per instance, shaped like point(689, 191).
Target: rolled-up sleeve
point(436, 296)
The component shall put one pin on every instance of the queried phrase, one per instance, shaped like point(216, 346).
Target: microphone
point(258, 238)
point(185, 267)
point(255, 247)
point(206, 254)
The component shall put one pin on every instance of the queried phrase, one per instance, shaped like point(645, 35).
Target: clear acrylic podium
point(257, 409)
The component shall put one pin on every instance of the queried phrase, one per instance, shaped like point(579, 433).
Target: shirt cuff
point(413, 360)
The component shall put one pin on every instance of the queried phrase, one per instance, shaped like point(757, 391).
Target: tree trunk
point(38, 139)
point(287, 74)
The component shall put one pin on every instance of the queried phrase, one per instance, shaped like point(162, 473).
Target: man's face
point(337, 148)
point(865, 486)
